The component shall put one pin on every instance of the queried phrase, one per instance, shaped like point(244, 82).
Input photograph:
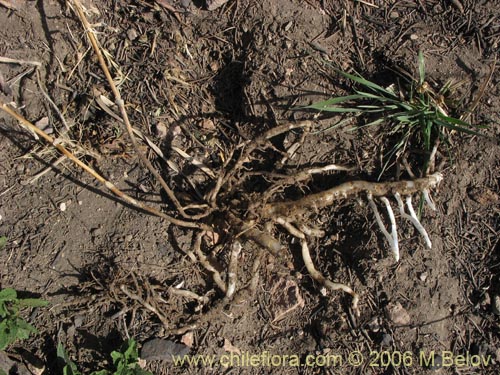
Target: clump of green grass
point(125, 361)
point(413, 111)
point(12, 326)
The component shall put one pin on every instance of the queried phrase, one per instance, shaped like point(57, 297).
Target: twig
point(195, 162)
point(170, 8)
point(481, 91)
point(146, 304)
point(8, 60)
point(49, 99)
point(35, 178)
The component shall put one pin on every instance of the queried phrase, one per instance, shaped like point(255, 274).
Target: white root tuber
point(393, 241)
point(233, 269)
point(394, 229)
point(428, 199)
point(412, 217)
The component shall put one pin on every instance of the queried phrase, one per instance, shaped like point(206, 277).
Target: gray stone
point(162, 350)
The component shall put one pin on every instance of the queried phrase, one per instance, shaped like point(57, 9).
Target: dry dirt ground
point(204, 81)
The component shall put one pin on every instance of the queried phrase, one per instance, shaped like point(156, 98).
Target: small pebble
point(20, 168)
point(374, 325)
point(161, 130)
point(96, 232)
point(162, 350)
point(413, 36)
point(423, 276)
point(437, 363)
point(397, 314)
point(186, 3)
point(63, 206)
point(132, 34)
point(486, 301)
point(495, 306)
point(482, 348)
point(387, 340)
point(393, 15)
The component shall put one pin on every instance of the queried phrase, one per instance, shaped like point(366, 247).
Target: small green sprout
point(125, 361)
point(3, 242)
point(12, 326)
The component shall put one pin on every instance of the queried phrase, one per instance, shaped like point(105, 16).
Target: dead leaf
point(165, 4)
point(188, 339)
point(9, 4)
point(228, 347)
point(286, 298)
point(214, 4)
point(208, 124)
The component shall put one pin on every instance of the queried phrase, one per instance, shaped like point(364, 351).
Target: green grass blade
point(333, 101)
point(421, 67)
point(3, 242)
point(372, 123)
point(459, 122)
point(457, 128)
point(338, 109)
point(371, 85)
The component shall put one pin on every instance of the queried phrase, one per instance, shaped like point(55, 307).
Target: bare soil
point(204, 81)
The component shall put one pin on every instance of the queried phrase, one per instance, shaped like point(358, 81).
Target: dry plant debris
point(254, 217)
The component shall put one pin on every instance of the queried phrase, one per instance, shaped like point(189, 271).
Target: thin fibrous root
point(206, 264)
point(412, 217)
point(146, 305)
point(316, 275)
point(391, 238)
point(350, 189)
point(249, 147)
